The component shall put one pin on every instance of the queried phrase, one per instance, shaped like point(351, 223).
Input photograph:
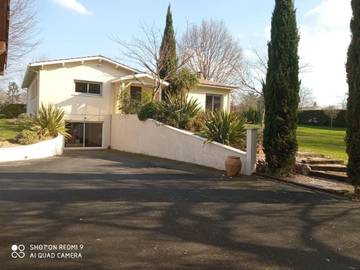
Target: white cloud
point(325, 37)
point(74, 5)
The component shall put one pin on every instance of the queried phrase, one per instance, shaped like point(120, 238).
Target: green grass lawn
point(8, 129)
point(322, 140)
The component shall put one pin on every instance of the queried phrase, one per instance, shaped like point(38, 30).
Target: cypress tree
point(168, 60)
point(281, 90)
point(353, 106)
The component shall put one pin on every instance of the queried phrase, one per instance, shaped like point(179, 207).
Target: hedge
point(12, 110)
point(319, 118)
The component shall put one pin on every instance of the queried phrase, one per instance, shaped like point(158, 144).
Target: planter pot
point(233, 166)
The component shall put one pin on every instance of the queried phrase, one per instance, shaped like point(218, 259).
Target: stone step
point(309, 155)
point(322, 161)
point(328, 167)
point(339, 176)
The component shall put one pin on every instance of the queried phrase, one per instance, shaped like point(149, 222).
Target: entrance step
point(328, 167)
point(313, 161)
point(339, 176)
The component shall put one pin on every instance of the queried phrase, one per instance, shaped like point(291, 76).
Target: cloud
point(325, 37)
point(74, 5)
point(324, 40)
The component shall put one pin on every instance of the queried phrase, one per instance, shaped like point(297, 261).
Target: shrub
point(177, 112)
point(49, 122)
point(131, 106)
point(223, 127)
point(27, 137)
point(127, 105)
point(319, 118)
point(196, 124)
point(253, 116)
point(24, 120)
point(12, 110)
point(147, 111)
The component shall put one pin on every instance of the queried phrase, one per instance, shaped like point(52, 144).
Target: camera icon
point(18, 251)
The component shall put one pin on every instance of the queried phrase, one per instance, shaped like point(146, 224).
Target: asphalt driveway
point(135, 212)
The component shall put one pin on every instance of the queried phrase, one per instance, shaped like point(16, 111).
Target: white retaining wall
point(42, 149)
point(155, 139)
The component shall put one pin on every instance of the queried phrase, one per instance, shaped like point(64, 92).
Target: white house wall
point(155, 139)
point(33, 96)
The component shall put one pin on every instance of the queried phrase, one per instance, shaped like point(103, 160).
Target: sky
point(72, 28)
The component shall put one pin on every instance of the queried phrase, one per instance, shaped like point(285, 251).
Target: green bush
point(253, 116)
point(12, 110)
point(177, 112)
point(27, 137)
point(196, 124)
point(24, 120)
point(147, 111)
point(131, 106)
point(223, 127)
point(49, 121)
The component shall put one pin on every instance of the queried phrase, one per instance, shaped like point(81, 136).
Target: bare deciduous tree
point(343, 101)
point(306, 97)
point(144, 52)
point(253, 75)
point(332, 113)
point(214, 52)
point(13, 93)
point(22, 30)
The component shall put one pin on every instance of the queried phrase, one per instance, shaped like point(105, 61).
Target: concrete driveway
point(135, 212)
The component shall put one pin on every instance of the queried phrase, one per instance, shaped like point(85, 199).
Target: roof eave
point(83, 59)
point(229, 87)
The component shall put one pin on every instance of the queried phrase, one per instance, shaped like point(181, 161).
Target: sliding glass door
point(84, 134)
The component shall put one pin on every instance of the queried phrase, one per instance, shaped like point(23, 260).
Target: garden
point(25, 129)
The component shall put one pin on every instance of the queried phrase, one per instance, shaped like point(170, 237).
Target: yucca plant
point(223, 127)
point(49, 121)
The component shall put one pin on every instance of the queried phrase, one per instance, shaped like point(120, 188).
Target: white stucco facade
point(54, 83)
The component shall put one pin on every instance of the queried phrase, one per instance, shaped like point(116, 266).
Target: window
point(88, 87)
point(135, 93)
point(213, 102)
point(94, 88)
point(84, 134)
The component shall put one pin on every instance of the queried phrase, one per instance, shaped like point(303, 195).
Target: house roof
point(138, 77)
point(4, 33)
point(31, 68)
point(217, 85)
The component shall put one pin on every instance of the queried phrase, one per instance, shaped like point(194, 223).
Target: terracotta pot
point(233, 166)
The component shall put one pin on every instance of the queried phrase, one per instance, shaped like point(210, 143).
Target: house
point(88, 90)
point(4, 33)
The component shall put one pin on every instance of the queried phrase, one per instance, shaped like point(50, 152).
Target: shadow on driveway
point(138, 212)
